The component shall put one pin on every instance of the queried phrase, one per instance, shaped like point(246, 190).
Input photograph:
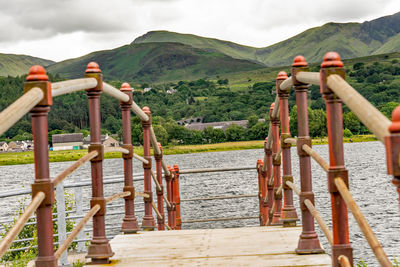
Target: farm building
point(67, 141)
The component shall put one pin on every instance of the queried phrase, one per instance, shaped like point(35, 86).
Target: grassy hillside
point(351, 40)
point(15, 65)
point(225, 47)
point(154, 62)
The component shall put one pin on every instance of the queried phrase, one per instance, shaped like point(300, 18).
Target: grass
point(14, 158)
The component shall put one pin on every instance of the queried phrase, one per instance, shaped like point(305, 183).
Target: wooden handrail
point(292, 141)
point(372, 118)
point(167, 202)
point(76, 230)
point(116, 149)
point(19, 224)
point(141, 194)
point(158, 186)
point(286, 84)
point(136, 156)
point(21, 106)
point(139, 112)
point(308, 77)
point(344, 261)
point(362, 222)
point(70, 86)
point(316, 157)
point(74, 166)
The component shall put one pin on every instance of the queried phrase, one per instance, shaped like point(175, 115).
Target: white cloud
point(62, 29)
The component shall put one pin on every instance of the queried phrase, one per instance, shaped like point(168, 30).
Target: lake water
point(369, 183)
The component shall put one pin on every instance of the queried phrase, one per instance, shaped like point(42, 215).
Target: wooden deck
point(249, 246)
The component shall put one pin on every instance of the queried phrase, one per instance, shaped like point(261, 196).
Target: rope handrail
point(166, 201)
point(141, 194)
point(312, 153)
point(369, 115)
point(76, 231)
point(308, 77)
point(117, 195)
point(219, 197)
point(19, 224)
point(139, 112)
point(159, 216)
point(59, 178)
point(362, 222)
point(187, 171)
point(21, 106)
point(314, 212)
point(157, 150)
point(116, 149)
point(292, 141)
point(136, 156)
point(286, 84)
point(114, 92)
point(344, 261)
point(221, 219)
point(278, 154)
point(70, 86)
point(158, 186)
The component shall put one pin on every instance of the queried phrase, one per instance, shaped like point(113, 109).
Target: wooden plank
point(255, 246)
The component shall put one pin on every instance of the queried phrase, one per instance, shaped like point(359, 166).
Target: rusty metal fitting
point(149, 162)
point(126, 89)
point(279, 80)
point(258, 164)
point(176, 169)
point(47, 188)
point(100, 150)
point(93, 71)
point(170, 207)
point(300, 142)
point(101, 201)
point(341, 249)
point(286, 178)
point(299, 64)
point(160, 191)
point(129, 188)
point(148, 199)
point(148, 113)
point(303, 196)
point(37, 77)
point(270, 186)
point(160, 221)
point(336, 173)
point(276, 195)
point(128, 147)
point(276, 161)
point(331, 65)
point(284, 136)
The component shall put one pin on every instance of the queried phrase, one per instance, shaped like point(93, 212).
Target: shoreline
point(17, 158)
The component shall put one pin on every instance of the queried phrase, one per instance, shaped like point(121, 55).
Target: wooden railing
point(334, 90)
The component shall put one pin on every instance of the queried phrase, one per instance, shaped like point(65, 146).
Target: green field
point(72, 155)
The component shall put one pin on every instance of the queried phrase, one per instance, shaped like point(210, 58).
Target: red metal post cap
point(394, 127)
point(93, 67)
point(266, 139)
point(37, 73)
point(299, 61)
point(282, 75)
point(146, 110)
point(176, 168)
point(331, 59)
point(126, 87)
point(272, 106)
point(159, 145)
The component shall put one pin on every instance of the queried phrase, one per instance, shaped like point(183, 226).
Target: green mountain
point(15, 65)
point(153, 62)
point(351, 40)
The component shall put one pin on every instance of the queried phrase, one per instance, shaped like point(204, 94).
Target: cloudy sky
point(62, 29)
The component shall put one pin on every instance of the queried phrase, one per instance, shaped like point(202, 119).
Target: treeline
point(213, 100)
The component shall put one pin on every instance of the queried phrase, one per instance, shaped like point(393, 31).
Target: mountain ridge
point(14, 64)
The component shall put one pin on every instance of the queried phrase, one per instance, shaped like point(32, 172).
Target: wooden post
point(148, 223)
point(289, 215)
point(177, 198)
point(160, 191)
point(129, 223)
point(99, 248)
point(37, 78)
point(308, 242)
point(276, 219)
point(334, 117)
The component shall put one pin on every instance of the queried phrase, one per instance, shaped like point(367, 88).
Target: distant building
point(190, 121)
point(218, 125)
point(17, 146)
point(171, 91)
point(3, 146)
point(147, 89)
point(106, 140)
point(67, 141)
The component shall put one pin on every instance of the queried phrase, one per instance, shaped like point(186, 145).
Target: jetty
point(279, 240)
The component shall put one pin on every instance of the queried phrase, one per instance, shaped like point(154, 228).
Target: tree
point(235, 133)
point(251, 121)
point(351, 122)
